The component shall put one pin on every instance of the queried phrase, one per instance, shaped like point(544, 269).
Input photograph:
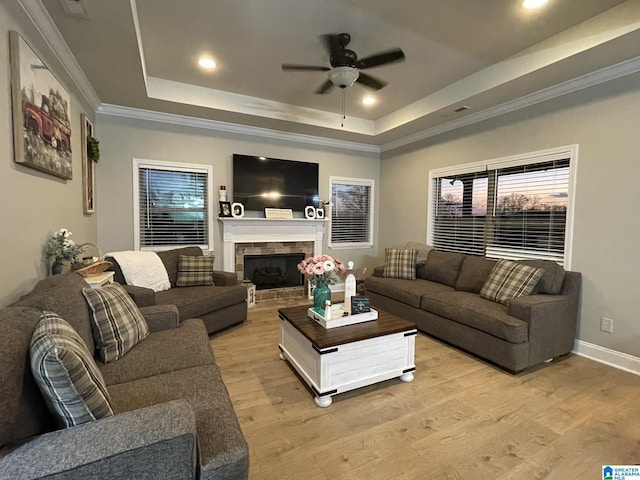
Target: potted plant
point(93, 149)
point(61, 248)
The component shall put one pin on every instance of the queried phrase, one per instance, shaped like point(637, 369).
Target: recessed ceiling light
point(533, 3)
point(206, 62)
point(368, 100)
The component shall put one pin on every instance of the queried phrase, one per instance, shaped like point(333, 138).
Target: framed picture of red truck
point(41, 119)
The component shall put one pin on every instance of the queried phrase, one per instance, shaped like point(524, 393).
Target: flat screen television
point(261, 182)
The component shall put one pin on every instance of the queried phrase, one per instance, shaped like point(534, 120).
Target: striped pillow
point(195, 270)
point(400, 263)
point(510, 279)
point(118, 324)
point(66, 373)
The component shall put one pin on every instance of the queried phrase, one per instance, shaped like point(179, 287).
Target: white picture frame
point(237, 210)
point(310, 212)
point(320, 213)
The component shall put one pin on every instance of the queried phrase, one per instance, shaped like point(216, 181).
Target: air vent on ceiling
point(75, 8)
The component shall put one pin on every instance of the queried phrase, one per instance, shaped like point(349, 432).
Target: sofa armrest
point(225, 279)
point(161, 317)
point(143, 297)
point(552, 320)
point(156, 442)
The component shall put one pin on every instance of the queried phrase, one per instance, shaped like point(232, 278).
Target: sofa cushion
point(405, 291)
point(423, 251)
point(222, 449)
point(171, 258)
point(472, 310)
point(400, 263)
point(66, 373)
point(442, 267)
point(474, 273)
point(193, 302)
point(24, 413)
point(164, 351)
point(510, 279)
point(195, 270)
point(118, 323)
point(63, 294)
point(552, 278)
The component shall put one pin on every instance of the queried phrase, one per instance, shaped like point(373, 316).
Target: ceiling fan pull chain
point(343, 109)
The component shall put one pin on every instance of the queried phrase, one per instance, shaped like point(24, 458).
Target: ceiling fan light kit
point(344, 77)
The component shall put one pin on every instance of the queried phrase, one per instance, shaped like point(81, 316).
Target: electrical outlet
point(606, 324)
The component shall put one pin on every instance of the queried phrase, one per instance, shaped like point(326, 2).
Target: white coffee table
point(340, 359)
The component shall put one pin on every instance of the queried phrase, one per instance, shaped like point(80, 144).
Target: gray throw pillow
point(442, 267)
point(66, 373)
point(474, 273)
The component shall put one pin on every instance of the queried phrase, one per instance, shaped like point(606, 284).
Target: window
point(513, 208)
point(351, 223)
point(172, 205)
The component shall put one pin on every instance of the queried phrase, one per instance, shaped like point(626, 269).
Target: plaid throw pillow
point(508, 280)
point(400, 263)
point(118, 323)
point(193, 271)
point(66, 373)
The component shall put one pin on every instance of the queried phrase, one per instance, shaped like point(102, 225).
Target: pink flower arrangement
point(322, 269)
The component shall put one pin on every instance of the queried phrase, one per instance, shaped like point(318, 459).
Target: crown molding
point(152, 116)
point(603, 75)
point(42, 21)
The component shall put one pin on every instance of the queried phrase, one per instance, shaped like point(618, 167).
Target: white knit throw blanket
point(143, 269)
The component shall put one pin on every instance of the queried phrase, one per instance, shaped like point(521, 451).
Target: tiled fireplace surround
point(261, 236)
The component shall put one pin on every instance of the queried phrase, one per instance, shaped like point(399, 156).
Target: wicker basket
point(96, 267)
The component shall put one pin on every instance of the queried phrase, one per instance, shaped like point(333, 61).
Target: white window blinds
point(351, 212)
point(515, 209)
point(173, 205)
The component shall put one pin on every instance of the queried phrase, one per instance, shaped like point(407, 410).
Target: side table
point(100, 280)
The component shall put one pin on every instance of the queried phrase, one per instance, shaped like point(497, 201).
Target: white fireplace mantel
point(254, 230)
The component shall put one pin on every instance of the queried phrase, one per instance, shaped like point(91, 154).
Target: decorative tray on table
point(338, 317)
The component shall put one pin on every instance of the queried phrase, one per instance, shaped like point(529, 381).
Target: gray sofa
point(219, 306)
point(444, 302)
point(173, 416)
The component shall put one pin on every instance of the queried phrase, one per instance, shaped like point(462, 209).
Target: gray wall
point(605, 122)
point(124, 139)
point(34, 204)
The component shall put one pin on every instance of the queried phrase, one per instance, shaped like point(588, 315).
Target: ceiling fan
point(345, 67)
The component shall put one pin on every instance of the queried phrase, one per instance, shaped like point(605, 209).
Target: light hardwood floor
point(459, 419)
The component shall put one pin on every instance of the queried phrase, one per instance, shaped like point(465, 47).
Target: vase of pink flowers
point(321, 271)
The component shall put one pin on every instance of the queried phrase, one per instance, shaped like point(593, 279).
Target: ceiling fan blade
point(325, 87)
point(371, 82)
point(310, 68)
point(390, 56)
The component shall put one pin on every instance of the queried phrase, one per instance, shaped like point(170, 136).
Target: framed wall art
point(88, 175)
point(41, 120)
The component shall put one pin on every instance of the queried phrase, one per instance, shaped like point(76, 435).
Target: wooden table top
point(322, 338)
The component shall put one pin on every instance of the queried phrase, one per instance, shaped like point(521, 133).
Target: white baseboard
point(613, 358)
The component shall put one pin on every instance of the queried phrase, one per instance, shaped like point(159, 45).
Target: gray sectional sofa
point(219, 306)
point(173, 415)
point(444, 302)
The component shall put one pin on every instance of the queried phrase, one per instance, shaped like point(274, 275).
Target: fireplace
point(262, 236)
point(274, 271)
